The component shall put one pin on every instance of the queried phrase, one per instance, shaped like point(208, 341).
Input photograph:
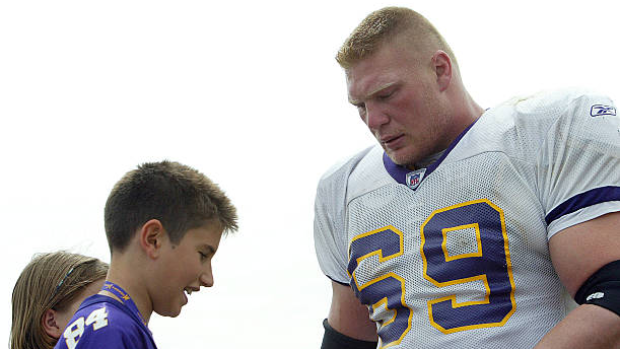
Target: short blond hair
point(384, 25)
point(49, 281)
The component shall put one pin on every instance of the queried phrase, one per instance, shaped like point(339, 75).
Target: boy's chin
point(169, 312)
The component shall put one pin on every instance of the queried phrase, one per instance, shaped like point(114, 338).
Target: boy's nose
point(206, 279)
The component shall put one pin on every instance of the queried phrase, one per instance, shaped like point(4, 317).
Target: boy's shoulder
point(103, 322)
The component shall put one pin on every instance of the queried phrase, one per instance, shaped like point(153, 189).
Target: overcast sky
point(247, 92)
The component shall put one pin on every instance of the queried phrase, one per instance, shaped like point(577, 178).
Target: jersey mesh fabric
point(539, 297)
point(581, 152)
point(473, 230)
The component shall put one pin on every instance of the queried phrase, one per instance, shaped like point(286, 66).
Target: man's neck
point(428, 160)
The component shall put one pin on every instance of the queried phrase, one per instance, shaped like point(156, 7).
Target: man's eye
point(385, 95)
point(203, 256)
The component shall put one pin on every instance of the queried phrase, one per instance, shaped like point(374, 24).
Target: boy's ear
point(48, 320)
point(151, 238)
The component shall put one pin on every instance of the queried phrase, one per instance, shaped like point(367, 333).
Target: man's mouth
point(390, 139)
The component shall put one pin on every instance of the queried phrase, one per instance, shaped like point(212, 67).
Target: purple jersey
point(103, 322)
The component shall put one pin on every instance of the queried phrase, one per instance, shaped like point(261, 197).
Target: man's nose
point(375, 117)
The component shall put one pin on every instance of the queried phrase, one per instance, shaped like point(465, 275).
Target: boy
point(163, 223)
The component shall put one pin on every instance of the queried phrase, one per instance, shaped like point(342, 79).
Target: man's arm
point(349, 317)
point(577, 252)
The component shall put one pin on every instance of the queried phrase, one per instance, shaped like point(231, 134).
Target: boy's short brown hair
point(180, 197)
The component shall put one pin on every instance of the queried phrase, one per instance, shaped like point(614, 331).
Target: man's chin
point(399, 158)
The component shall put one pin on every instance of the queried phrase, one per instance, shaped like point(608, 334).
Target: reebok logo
point(602, 109)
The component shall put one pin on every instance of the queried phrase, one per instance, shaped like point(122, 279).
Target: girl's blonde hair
point(49, 281)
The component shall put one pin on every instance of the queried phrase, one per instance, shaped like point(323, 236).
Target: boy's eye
point(203, 256)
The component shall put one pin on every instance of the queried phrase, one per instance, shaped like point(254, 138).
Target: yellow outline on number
point(445, 232)
point(482, 277)
point(379, 254)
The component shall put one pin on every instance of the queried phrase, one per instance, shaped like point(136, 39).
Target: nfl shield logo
point(414, 178)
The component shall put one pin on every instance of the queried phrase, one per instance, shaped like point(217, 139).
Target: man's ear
point(151, 236)
point(443, 69)
point(48, 320)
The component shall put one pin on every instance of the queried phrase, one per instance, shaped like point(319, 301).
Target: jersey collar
point(403, 175)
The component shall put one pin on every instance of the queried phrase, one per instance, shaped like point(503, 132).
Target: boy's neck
point(120, 274)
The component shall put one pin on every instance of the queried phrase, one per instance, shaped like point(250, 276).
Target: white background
point(247, 92)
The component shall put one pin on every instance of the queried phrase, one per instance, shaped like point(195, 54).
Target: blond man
point(466, 227)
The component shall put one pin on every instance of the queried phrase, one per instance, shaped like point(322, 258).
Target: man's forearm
point(587, 327)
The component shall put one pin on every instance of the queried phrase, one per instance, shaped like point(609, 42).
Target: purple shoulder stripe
point(589, 198)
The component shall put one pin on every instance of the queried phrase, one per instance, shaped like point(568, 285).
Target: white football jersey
point(455, 255)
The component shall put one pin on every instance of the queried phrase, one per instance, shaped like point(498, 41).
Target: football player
point(163, 222)
point(465, 227)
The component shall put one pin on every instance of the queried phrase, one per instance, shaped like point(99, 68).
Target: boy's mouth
point(189, 290)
